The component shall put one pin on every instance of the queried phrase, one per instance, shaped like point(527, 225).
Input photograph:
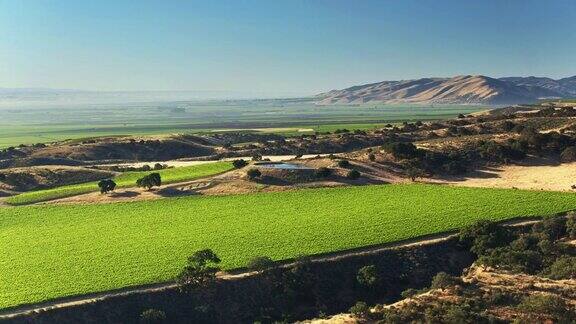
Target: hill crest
point(462, 89)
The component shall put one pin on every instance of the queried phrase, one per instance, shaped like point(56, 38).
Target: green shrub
point(553, 227)
point(515, 260)
point(568, 155)
point(323, 172)
point(260, 263)
point(353, 174)
point(401, 150)
point(483, 236)
point(106, 185)
point(200, 271)
point(253, 174)
point(449, 313)
point(563, 268)
point(410, 292)
point(152, 316)
point(239, 163)
point(371, 157)
point(149, 181)
point(442, 280)
point(360, 310)
point(368, 276)
point(344, 163)
point(160, 166)
point(571, 225)
point(544, 304)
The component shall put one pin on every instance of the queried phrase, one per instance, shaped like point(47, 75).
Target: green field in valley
point(61, 250)
point(21, 123)
point(126, 179)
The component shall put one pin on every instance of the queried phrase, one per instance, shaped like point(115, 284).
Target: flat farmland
point(62, 250)
point(42, 122)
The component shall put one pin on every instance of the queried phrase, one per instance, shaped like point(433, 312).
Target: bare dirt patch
point(536, 174)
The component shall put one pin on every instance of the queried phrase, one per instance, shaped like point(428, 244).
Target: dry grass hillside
point(539, 298)
point(459, 89)
point(32, 178)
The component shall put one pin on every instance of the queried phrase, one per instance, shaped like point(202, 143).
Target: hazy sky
point(277, 46)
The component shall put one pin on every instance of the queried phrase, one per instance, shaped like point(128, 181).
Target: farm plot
point(127, 179)
point(61, 250)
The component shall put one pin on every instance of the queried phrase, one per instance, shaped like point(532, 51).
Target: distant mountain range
point(466, 89)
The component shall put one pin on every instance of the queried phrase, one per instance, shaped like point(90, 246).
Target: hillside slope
point(456, 90)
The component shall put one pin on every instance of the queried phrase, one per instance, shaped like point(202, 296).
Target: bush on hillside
point(200, 271)
point(553, 228)
point(160, 166)
point(442, 280)
point(323, 172)
point(563, 268)
point(544, 304)
point(571, 225)
point(153, 316)
point(260, 263)
point(353, 174)
point(483, 236)
point(344, 163)
point(360, 310)
point(238, 164)
point(368, 276)
point(402, 150)
point(568, 155)
point(253, 174)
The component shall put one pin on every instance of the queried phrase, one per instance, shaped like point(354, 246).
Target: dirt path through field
point(233, 275)
point(184, 162)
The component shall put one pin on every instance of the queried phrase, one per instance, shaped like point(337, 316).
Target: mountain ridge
point(462, 89)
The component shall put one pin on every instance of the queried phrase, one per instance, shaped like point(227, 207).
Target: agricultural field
point(62, 250)
point(42, 122)
point(124, 180)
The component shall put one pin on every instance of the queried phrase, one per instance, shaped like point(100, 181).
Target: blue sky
point(290, 46)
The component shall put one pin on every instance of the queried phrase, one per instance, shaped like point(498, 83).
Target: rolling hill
point(464, 89)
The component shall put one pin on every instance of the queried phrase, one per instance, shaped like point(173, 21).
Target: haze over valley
point(287, 161)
